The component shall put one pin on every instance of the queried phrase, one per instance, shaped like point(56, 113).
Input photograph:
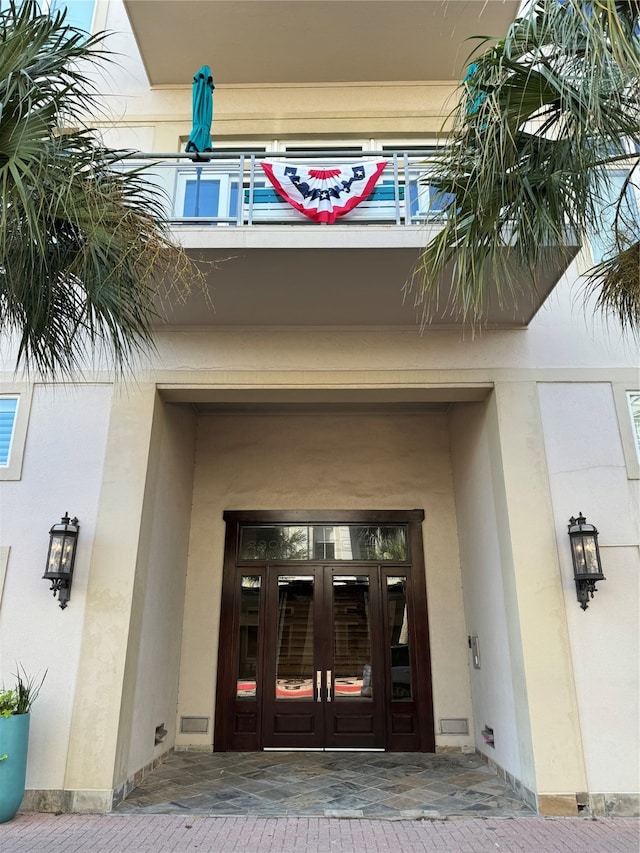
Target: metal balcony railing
point(229, 188)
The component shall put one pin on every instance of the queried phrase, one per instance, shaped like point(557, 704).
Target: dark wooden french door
point(324, 653)
point(323, 659)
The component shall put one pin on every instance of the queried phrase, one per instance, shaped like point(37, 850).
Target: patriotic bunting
point(324, 194)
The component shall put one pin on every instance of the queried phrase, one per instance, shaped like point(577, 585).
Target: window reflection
point(294, 651)
point(274, 543)
point(379, 543)
point(248, 637)
point(324, 542)
point(399, 638)
point(351, 638)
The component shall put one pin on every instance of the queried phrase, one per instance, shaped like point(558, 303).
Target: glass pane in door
point(351, 638)
point(399, 638)
point(248, 637)
point(294, 642)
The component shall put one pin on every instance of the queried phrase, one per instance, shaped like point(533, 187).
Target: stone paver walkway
point(46, 833)
point(325, 784)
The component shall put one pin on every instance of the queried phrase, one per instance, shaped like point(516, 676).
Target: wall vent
point(487, 736)
point(454, 726)
point(194, 725)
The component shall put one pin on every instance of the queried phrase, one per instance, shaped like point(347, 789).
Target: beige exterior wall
point(530, 565)
point(63, 459)
point(162, 121)
point(588, 473)
point(497, 685)
point(323, 461)
point(101, 721)
point(155, 635)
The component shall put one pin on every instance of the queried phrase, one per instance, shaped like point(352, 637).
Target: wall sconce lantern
point(587, 568)
point(63, 539)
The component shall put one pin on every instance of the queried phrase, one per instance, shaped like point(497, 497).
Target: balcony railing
point(229, 188)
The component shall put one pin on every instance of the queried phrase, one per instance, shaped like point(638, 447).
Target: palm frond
point(82, 245)
point(614, 283)
point(541, 116)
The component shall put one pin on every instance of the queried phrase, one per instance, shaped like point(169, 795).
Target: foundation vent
point(194, 725)
point(454, 726)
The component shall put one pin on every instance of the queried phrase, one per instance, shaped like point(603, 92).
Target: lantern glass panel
point(586, 555)
point(55, 553)
point(67, 554)
point(61, 550)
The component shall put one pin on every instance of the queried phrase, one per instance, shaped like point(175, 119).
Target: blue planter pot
point(14, 740)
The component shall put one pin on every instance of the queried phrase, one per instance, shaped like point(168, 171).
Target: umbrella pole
point(197, 198)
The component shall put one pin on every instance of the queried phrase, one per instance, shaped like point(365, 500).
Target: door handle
point(328, 685)
point(318, 685)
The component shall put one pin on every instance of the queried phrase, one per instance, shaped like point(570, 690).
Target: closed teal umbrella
point(202, 107)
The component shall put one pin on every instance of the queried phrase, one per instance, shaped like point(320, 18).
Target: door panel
point(294, 652)
point(355, 717)
point(293, 715)
point(402, 719)
point(324, 639)
point(321, 631)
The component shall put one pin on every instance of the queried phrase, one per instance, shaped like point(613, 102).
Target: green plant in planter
point(8, 703)
point(20, 699)
point(15, 705)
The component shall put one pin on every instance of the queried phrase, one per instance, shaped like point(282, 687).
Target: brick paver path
point(42, 833)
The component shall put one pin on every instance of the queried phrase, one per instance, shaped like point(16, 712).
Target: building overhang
point(312, 41)
point(426, 399)
point(344, 276)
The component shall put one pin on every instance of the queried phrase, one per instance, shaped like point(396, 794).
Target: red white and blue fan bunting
point(324, 194)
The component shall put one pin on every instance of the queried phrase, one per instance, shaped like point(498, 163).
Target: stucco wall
point(588, 474)
point(156, 633)
point(493, 684)
point(323, 461)
point(62, 471)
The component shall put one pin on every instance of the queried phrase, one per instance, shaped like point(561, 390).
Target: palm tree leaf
point(542, 115)
point(82, 243)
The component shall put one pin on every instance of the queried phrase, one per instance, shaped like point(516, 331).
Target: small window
point(633, 398)
point(15, 406)
point(206, 192)
point(201, 198)
point(8, 413)
point(602, 246)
